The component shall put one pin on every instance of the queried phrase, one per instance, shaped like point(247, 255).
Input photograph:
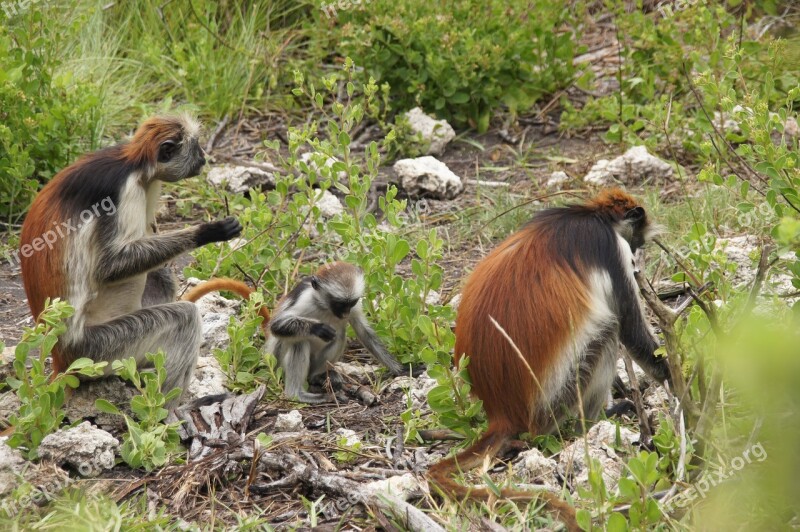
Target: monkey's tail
point(231, 285)
point(488, 446)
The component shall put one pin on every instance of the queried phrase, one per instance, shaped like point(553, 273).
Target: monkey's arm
point(145, 254)
point(374, 345)
point(291, 326)
point(637, 337)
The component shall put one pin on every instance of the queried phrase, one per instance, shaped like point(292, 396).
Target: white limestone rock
point(85, 448)
point(533, 466)
point(633, 167)
point(436, 134)
point(240, 179)
point(215, 313)
point(600, 440)
point(557, 179)
point(208, 379)
point(427, 177)
point(291, 421)
point(12, 465)
point(329, 205)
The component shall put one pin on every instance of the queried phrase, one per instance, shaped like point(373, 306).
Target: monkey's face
point(179, 158)
point(341, 308)
point(338, 297)
point(636, 228)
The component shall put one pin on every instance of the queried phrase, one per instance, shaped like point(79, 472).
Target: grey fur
point(300, 326)
point(174, 328)
point(161, 287)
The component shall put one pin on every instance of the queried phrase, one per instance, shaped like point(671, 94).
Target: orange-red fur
point(42, 274)
point(143, 149)
point(231, 285)
point(541, 323)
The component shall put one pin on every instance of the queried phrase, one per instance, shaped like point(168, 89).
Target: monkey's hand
point(220, 231)
point(323, 331)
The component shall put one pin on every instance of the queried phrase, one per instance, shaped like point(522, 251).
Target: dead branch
point(645, 432)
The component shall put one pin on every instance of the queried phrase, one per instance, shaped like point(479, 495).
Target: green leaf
point(616, 523)
point(401, 250)
point(105, 406)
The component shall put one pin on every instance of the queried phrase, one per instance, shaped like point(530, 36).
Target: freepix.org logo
point(62, 229)
point(712, 478)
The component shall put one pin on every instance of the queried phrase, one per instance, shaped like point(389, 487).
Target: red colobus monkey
point(309, 329)
point(111, 265)
point(563, 290)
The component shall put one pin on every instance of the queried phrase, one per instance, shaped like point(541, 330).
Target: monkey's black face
point(341, 309)
point(637, 221)
point(179, 159)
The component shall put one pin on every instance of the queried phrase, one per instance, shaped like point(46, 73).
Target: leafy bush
point(465, 61)
point(149, 442)
point(41, 396)
point(46, 118)
point(243, 360)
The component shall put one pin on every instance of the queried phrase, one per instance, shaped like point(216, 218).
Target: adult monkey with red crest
point(563, 290)
point(112, 268)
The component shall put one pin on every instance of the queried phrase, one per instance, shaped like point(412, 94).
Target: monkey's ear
point(166, 150)
point(315, 282)
point(635, 215)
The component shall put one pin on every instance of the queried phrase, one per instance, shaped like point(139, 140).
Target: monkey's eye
point(166, 150)
point(314, 282)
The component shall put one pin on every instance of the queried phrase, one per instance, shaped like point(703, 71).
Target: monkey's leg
point(319, 364)
point(174, 328)
point(161, 287)
point(296, 361)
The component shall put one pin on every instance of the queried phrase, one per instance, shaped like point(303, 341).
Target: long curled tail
point(231, 285)
point(485, 448)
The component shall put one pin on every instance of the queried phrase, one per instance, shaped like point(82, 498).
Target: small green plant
point(149, 443)
point(348, 449)
point(451, 400)
point(41, 396)
point(243, 360)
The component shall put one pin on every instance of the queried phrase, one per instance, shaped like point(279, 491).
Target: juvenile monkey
point(563, 289)
point(112, 268)
point(309, 330)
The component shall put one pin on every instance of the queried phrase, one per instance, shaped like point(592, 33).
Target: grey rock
point(436, 134)
point(427, 177)
point(85, 448)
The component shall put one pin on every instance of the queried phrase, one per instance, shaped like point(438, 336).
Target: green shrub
point(465, 61)
point(46, 117)
point(42, 397)
point(149, 442)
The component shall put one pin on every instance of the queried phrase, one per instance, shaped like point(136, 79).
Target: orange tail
point(221, 283)
point(488, 446)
